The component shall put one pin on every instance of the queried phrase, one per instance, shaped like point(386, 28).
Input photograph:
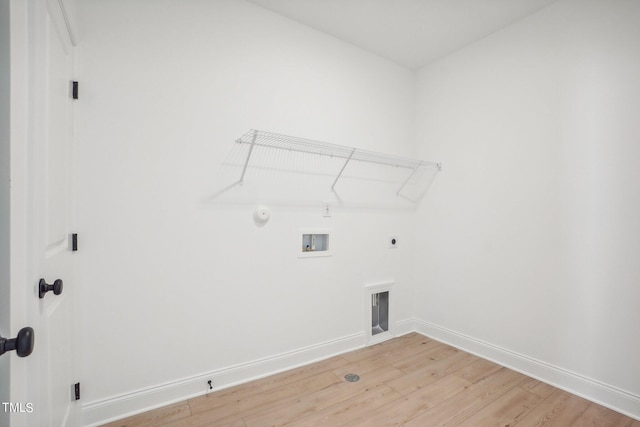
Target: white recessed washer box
point(314, 242)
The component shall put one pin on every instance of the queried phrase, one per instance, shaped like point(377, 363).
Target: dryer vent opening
point(379, 312)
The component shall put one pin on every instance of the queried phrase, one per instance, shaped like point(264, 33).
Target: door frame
point(19, 313)
point(5, 196)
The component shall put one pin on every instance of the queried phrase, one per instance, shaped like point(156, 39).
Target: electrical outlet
point(326, 211)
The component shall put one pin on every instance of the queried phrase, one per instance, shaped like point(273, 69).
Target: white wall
point(529, 240)
point(175, 286)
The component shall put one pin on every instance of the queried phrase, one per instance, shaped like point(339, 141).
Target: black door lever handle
point(22, 344)
point(45, 287)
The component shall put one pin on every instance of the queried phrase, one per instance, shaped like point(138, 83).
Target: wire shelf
point(268, 159)
point(260, 138)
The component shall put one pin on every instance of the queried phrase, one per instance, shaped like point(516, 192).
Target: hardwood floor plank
point(507, 411)
point(156, 417)
point(400, 411)
point(433, 351)
point(599, 416)
point(537, 387)
point(351, 410)
point(430, 373)
point(558, 409)
point(386, 355)
point(363, 366)
point(321, 399)
point(453, 411)
point(478, 370)
point(205, 420)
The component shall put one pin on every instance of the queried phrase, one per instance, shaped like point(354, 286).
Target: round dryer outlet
point(261, 215)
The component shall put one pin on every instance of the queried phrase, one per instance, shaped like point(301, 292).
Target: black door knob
point(22, 344)
point(45, 287)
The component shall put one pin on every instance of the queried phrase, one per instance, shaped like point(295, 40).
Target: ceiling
point(411, 33)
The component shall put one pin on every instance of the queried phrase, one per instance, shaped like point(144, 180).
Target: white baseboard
point(603, 394)
point(404, 327)
point(106, 410)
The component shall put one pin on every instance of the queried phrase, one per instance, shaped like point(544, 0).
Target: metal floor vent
point(352, 378)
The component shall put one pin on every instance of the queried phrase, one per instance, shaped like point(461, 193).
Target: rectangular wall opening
point(379, 313)
point(314, 243)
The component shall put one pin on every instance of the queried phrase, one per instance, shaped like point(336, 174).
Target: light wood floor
point(407, 381)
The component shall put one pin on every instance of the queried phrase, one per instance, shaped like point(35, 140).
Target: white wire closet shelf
point(346, 172)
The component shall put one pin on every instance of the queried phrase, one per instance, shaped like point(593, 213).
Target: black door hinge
point(76, 390)
point(75, 90)
point(74, 242)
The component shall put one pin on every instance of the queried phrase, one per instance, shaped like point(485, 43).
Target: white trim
point(404, 327)
point(598, 392)
point(121, 406)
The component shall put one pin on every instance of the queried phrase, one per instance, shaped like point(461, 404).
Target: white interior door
point(51, 171)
